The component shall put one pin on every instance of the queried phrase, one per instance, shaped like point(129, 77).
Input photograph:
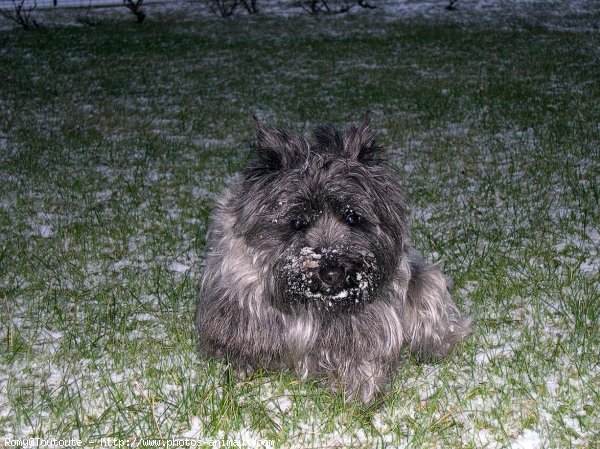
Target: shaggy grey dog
point(309, 267)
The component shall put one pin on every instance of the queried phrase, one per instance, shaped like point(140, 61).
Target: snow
point(587, 242)
point(179, 267)
point(281, 404)
point(489, 354)
point(46, 230)
point(126, 263)
point(104, 195)
point(199, 192)
point(528, 440)
point(590, 265)
point(195, 428)
point(144, 317)
point(576, 15)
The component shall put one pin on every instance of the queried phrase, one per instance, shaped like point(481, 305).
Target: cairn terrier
point(309, 267)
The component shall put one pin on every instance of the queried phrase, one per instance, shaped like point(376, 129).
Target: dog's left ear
point(359, 142)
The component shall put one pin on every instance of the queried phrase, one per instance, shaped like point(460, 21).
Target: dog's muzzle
point(326, 279)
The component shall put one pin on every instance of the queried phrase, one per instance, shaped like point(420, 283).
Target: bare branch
point(135, 6)
point(365, 4)
point(332, 6)
point(21, 14)
point(250, 6)
point(450, 6)
point(224, 8)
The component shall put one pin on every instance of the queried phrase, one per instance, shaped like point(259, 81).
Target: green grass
point(114, 141)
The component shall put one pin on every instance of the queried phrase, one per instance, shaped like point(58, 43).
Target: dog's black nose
point(331, 275)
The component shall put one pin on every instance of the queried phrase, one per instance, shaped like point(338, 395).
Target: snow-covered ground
point(575, 15)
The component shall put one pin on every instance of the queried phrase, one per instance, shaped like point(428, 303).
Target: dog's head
point(327, 215)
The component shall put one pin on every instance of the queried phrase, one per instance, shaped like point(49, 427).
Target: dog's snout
point(331, 275)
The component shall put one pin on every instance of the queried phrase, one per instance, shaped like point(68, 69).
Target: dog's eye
point(298, 224)
point(352, 219)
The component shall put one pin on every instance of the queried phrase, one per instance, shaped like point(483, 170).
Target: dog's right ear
point(275, 150)
point(359, 142)
point(267, 157)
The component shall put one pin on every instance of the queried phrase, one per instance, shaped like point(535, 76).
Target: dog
point(309, 267)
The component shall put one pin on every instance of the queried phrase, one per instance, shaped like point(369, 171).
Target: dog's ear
point(275, 150)
point(268, 141)
point(359, 142)
point(328, 140)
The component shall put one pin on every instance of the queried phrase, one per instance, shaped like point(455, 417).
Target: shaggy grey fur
point(309, 267)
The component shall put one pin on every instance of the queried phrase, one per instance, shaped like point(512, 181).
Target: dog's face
point(326, 216)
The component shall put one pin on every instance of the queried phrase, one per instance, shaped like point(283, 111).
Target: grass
point(115, 140)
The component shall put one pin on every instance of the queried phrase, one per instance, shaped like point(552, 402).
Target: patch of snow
point(572, 423)
point(199, 192)
point(46, 231)
point(50, 340)
point(484, 438)
point(530, 439)
point(153, 176)
point(144, 317)
point(55, 379)
point(207, 142)
point(590, 265)
point(552, 384)
point(281, 404)
point(489, 354)
point(422, 215)
point(195, 428)
point(380, 423)
point(124, 263)
point(104, 195)
point(117, 378)
point(179, 267)
point(103, 169)
point(248, 438)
